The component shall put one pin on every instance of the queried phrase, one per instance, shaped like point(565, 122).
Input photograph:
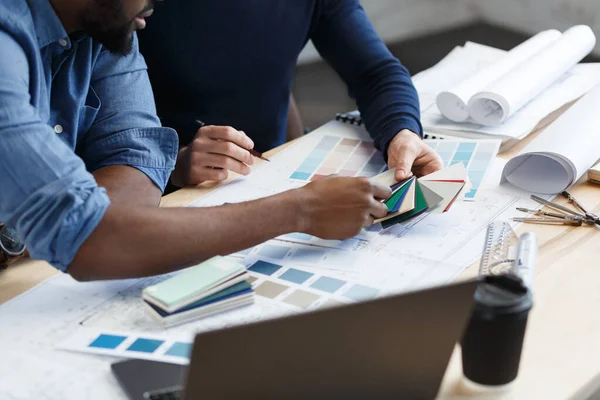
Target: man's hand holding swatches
point(410, 155)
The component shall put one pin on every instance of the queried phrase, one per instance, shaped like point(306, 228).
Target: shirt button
point(63, 42)
point(58, 129)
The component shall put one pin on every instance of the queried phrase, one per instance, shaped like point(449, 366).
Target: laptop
point(396, 347)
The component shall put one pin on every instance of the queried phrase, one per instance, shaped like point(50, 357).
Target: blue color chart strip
point(374, 166)
point(130, 345)
point(476, 156)
point(315, 158)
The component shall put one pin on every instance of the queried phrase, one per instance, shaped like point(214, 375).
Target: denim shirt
point(68, 107)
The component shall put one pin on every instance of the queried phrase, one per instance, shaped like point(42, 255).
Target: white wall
point(532, 16)
point(405, 19)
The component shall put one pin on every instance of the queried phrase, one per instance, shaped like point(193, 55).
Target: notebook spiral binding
point(354, 118)
point(433, 137)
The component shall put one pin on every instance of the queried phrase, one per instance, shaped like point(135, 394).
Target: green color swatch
point(398, 196)
point(420, 206)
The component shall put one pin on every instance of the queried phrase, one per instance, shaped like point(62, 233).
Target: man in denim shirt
point(83, 159)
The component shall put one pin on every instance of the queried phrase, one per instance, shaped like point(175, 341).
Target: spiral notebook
point(354, 118)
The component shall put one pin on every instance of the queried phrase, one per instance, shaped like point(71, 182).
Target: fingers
point(380, 192)
point(378, 210)
point(227, 134)
point(218, 147)
point(203, 174)
point(407, 153)
point(428, 163)
point(370, 220)
point(225, 162)
point(405, 156)
point(227, 149)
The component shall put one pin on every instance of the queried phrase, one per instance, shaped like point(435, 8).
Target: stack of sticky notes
point(217, 285)
point(434, 193)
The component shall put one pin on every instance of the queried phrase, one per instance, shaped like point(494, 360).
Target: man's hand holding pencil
point(214, 152)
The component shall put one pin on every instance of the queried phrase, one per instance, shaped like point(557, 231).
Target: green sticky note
point(398, 196)
point(420, 206)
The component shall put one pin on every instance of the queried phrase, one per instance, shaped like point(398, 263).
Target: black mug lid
point(503, 294)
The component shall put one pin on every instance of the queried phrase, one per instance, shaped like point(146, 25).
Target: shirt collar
point(48, 27)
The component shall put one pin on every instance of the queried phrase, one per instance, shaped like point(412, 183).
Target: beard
point(105, 21)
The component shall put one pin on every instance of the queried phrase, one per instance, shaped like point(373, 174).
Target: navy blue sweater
point(231, 62)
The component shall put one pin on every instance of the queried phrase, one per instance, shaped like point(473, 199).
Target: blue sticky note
point(142, 345)
point(107, 341)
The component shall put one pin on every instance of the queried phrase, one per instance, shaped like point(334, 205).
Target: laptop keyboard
point(166, 394)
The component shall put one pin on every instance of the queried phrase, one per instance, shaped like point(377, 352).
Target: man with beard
point(83, 159)
point(231, 63)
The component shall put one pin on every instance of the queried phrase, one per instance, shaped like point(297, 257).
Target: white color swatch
point(562, 153)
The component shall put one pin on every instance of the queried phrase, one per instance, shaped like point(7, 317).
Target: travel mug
point(493, 340)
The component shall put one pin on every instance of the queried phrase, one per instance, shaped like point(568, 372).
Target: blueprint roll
point(503, 98)
point(562, 153)
point(453, 103)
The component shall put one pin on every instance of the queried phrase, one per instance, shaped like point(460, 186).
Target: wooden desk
point(561, 354)
point(561, 357)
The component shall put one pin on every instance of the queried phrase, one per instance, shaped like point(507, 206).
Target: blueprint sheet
point(430, 250)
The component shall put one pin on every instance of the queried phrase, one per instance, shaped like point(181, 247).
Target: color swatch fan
point(434, 193)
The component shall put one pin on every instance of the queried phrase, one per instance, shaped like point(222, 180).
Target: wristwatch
point(11, 247)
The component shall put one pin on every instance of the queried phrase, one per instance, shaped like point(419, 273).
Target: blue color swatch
point(475, 156)
point(374, 166)
point(299, 236)
point(145, 345)
point(360, 292)
point(296, 276)
point(315, 158)
point(309, 255)
point(277, 252)
point(329, 285)
point(180, 349)
point(300, 176)
point(264, 267)
point(107, 342)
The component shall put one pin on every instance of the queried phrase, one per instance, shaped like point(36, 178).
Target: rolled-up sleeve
point(45, 191)
point(126, 130)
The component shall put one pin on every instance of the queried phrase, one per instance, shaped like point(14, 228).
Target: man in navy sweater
point(231, 63)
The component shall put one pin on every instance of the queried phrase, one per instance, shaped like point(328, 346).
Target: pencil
point(258, 155)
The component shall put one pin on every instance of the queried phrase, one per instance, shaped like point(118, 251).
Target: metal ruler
point(499, 250)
